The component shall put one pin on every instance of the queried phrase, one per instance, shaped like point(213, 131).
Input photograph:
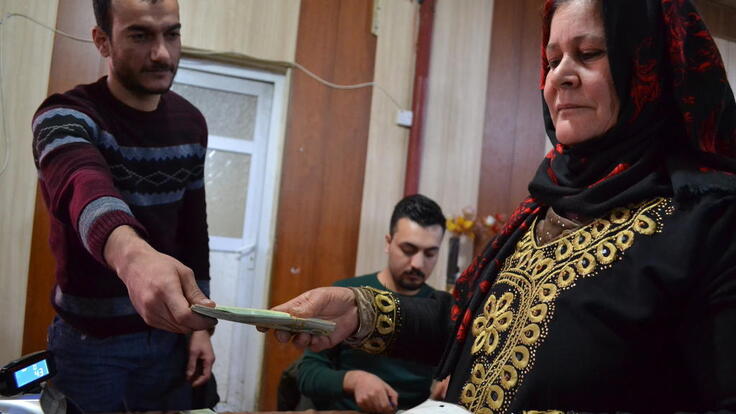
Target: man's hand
point(439, 389)
point(160, 287)
point(371, 393)
point(201, 358)
point(336, 304)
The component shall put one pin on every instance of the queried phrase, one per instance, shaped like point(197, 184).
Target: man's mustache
point(160, 68)
point(414, 272)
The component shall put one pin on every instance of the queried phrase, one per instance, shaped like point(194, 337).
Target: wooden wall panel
point(72, 63)
point(324, 162)
point(514, 137)
point(262, 29)
point(719, 17)
point(453, 132)
point(25, 68)
point(387, 142)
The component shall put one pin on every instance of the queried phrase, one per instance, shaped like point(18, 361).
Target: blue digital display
point(31, 373)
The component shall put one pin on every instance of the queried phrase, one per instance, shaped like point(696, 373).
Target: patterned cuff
point(99, 218)
point(366, 316)
point(379, 312)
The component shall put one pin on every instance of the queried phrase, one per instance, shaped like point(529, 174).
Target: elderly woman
point(614, 284)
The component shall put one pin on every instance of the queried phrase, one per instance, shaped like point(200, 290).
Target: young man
point(344, 378)
point(120, 165)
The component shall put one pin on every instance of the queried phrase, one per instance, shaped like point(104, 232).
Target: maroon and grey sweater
point(102, 164)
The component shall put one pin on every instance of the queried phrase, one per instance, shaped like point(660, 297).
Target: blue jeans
point(136, 372)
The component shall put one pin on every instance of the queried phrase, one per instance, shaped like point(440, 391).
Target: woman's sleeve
point(410, 328)
point(708, 339)
point(426, 328)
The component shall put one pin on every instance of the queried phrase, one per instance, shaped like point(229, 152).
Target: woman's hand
point(336, 304)
point(201, 358)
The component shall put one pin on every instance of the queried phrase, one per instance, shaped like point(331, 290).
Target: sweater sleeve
point(195, 240)
point(75, 178)
point(319, 377)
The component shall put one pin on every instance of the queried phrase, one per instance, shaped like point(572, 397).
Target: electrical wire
point(6, 139)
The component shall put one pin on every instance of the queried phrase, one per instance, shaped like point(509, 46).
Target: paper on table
point(435, 407)
point(267, 319)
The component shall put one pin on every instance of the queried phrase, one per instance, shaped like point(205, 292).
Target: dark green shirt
point(321, 373)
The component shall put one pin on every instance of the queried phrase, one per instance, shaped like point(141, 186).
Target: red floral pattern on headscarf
point(646, 86)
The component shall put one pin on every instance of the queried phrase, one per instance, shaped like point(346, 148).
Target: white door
point(242, 108)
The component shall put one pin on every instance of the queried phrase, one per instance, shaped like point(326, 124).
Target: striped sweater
point(102, 164)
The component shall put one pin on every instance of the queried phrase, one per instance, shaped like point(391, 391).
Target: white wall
point(728, 53)
point(453, 136)
point(26, 58)
point(387, 142)
point(453, 130)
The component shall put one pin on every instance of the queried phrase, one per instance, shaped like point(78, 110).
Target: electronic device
point(26, 373)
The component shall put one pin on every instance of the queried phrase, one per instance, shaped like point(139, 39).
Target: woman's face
point(579, 88)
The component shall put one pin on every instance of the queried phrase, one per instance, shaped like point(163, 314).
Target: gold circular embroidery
point(495, 397)
point(645, 225)
point(496, 317)
point(468, 394)
point(547, 292)
point(479, 324)
point(503, 321)
point(520, 357)
point(586, 264)
point(538, 312)
point(490, 305)
point(384, 325)
point(536, 257)
point(478, 374)
point(530, 334)
point(600, 227)
point(581, 240)
point(478, 342)
point(566, 276)
point(625, 239)
point(509, 376)
point(522, 257)
point(384, 303)
point(374, 345)
point(484, 410)
point(620, 215)
point(491, 341)
point(542, 267)
point(605, 253)
point(505, 302)
point(563, 250)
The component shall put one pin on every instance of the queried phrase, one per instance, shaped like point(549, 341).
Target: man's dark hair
point(103, 14)
point(419, 209)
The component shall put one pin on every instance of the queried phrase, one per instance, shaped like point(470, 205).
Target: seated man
point(343, 378)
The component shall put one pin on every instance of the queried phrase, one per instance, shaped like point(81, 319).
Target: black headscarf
point(675, 135)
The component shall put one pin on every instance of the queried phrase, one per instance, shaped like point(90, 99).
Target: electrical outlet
point(404, 118)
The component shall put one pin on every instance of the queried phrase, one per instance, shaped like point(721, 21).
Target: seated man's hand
point(160, 287)
point(439, 389)
point(371, 393)
point(336, 304)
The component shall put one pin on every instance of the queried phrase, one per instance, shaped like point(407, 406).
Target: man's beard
point(130, 81)
point(408, 284)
